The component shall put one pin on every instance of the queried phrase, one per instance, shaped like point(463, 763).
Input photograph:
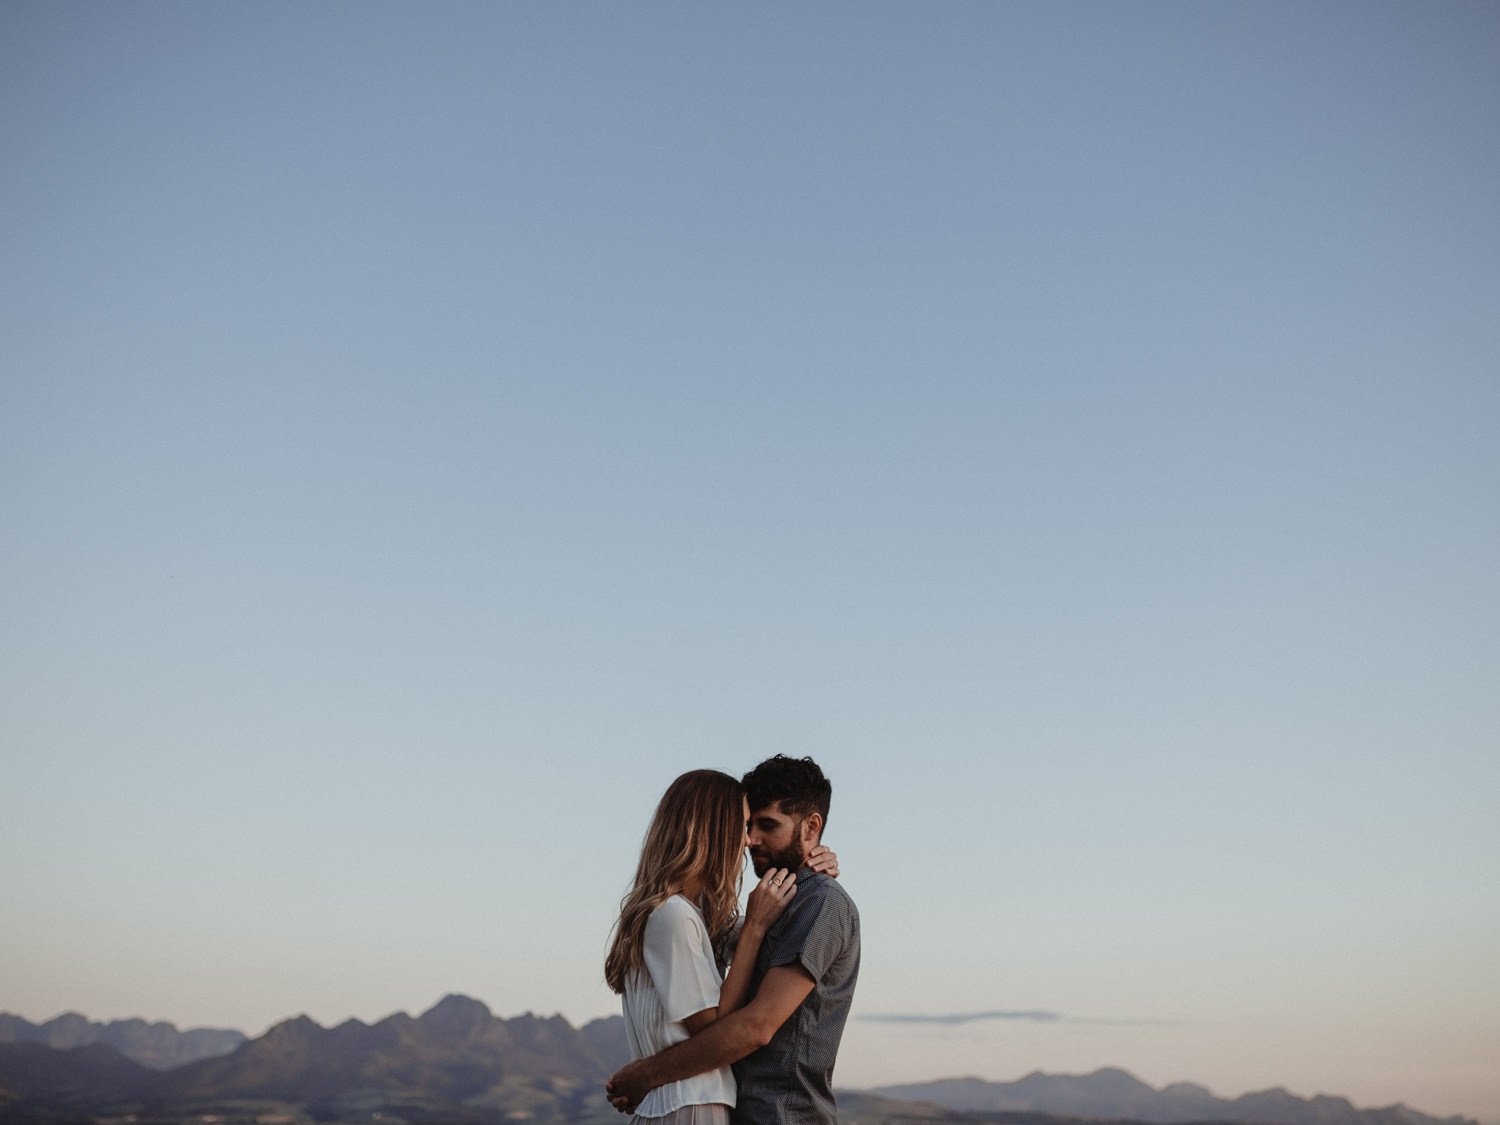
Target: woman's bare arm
point(767, 900)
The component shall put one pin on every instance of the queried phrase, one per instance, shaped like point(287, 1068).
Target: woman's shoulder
point(676, 911)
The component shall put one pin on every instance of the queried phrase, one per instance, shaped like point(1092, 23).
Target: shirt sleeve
point(680, 960)
point(815, 933)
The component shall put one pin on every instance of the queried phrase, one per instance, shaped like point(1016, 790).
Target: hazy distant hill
point(1116, 1093)
point(159, 1046)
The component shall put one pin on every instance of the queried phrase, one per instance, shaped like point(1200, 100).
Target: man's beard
point(791, 857)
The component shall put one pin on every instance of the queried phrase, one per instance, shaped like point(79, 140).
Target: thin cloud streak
point(951, 1018)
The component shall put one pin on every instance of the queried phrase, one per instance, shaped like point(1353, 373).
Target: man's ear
point(812, 828)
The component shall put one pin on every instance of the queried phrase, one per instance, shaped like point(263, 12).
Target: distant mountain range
point(1118, 1094)
point(457, 1063)
point(159, 1046)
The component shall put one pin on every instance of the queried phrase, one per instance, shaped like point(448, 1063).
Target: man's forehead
point(771, 810)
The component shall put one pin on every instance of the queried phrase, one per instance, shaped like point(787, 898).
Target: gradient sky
point(427, 429)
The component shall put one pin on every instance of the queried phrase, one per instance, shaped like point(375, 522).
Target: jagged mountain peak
point(456, 1004)
point(1107, 1081)
point(1187, 1090)
point(295, 1023)
point(455, 1019)
point(1113, 1078)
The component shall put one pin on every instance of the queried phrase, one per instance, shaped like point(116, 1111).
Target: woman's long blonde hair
point(698, 832)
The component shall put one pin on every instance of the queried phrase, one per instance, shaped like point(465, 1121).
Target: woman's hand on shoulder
point(825, 861)
point(769, 898)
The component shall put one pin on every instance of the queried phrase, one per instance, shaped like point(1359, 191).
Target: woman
point(676, 927)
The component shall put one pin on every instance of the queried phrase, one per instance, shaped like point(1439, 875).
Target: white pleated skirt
point(716, 1113)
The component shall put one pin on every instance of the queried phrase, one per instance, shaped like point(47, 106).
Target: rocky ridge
point(158, 1046)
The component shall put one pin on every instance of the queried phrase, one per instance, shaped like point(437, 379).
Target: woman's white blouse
point(680, 978)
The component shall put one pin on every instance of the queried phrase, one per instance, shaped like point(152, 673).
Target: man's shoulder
point(820, 892)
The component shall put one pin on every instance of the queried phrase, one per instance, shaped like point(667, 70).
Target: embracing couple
point(777, 1013)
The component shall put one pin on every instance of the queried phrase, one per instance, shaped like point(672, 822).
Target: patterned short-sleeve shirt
point(789, 1081)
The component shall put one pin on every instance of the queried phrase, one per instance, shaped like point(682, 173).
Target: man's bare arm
point(722, 1042)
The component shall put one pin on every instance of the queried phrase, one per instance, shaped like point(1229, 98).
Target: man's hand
point(627, 1086)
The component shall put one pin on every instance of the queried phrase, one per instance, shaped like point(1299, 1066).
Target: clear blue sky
point(426, 429)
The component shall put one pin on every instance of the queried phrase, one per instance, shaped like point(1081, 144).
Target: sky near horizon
point(427, 429)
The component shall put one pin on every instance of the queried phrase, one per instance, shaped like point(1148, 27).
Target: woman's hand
point(824, 861)
point(769, 898)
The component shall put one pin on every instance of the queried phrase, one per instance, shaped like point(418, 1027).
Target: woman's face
point(744, 839)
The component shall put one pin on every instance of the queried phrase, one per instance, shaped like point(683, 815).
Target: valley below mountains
point(459, 1064)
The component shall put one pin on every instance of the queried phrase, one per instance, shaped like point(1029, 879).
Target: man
point(783, 1043)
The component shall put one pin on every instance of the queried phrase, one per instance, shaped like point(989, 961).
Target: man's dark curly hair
point(797, 783)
